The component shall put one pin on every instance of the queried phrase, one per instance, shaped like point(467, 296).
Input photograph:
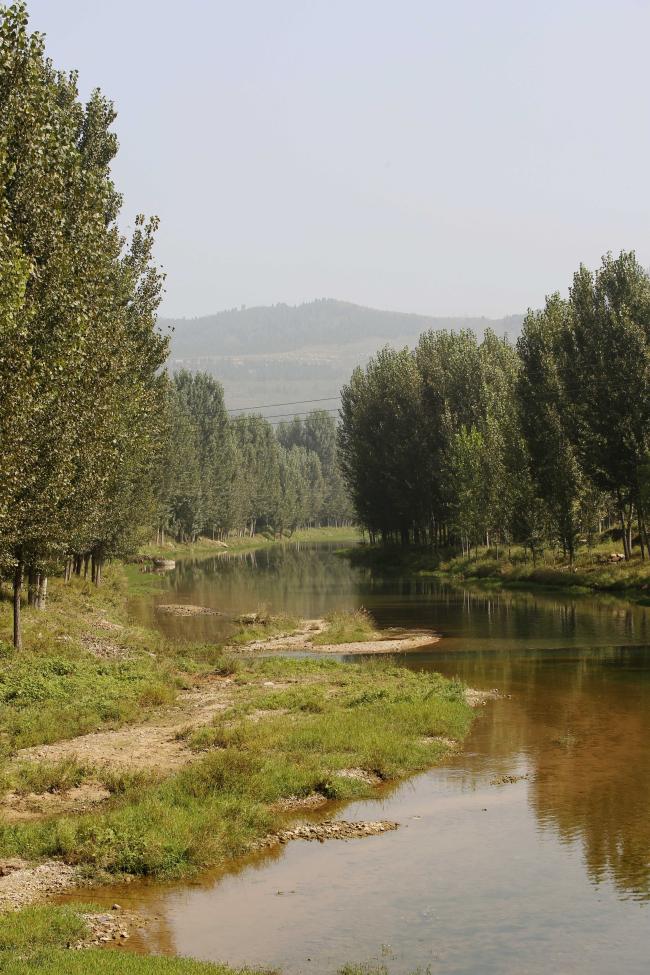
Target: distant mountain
point(282, 353)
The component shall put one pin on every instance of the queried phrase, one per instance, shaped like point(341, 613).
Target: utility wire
point(268, 406)
point(278, 416)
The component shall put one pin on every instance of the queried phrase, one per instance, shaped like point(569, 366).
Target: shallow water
point(547, 874)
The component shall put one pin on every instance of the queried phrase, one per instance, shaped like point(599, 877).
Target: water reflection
point(551, 873)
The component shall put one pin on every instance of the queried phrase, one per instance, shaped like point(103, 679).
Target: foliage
point(221, 476)
point(79, 352)
point(355, 626)
point(460, 444)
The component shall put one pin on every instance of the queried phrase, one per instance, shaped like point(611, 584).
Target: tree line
point(465, 443)
point(100, 449)
point(80, 358)
point(224, 475)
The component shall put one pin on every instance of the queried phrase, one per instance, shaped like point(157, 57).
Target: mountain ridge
point(270, 352)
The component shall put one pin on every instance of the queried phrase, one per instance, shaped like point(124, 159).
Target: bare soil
point(156, 745)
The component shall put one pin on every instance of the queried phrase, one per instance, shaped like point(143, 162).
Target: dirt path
point(159, 746)
point(154, 745)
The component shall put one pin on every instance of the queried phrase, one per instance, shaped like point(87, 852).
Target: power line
point(278, 416)
point(269, 406)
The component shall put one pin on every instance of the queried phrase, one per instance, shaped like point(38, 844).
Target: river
point(546, 874)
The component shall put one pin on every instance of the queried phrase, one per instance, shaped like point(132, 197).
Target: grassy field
point(515, 569)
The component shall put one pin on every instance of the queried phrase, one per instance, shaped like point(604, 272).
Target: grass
point(39, 927)
point(295, 726)
point(355, 626)
point(590, 571)
point(98, 962)
point(36, 939)
point(40, 777)
point(264, 629)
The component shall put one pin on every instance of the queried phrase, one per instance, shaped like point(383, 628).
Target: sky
point(447, 158)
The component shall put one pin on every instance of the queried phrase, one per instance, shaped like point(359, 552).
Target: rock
point(165, 563)
point(186, 609)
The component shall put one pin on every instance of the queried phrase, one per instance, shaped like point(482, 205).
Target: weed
point(355, 626)
point(40, 777)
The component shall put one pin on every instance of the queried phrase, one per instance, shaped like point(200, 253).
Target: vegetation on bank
point(354, 626)
point(38, 939)
point(289, 729)
point(591, 569)
point(204, 546)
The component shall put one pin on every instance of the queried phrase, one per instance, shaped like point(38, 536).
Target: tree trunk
point(32, 586)
point(18, 585)
point(621, 511)
point(41, 597)
point(97, 562)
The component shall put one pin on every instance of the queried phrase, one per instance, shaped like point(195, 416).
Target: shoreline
point(222, 722)
point(626, 581)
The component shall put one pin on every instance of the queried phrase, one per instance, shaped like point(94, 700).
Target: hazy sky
point(446, 158)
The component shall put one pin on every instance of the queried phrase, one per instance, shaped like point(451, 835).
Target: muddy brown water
point(546, 874)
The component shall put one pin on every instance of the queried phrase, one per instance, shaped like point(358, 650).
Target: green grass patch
point(296, 724)
point(97, 962)
point(37, 939)
point(48, 694)
point(40, 926)
point(40, 777)
point(264, 629)
point(355, 626)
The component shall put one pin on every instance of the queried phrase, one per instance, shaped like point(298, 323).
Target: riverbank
point(592, 571)
point(205, 547)
point(242, 747)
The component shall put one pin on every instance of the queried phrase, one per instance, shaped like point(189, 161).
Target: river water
point(547, 874)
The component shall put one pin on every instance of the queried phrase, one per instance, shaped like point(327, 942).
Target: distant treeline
point(223, 474)
point(464, 443)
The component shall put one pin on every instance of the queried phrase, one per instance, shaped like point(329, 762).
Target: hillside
point(284, 353)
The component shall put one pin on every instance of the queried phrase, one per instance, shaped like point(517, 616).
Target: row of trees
point(80, 358)
point(470, 443)
point(222, 475)
point(99, 446)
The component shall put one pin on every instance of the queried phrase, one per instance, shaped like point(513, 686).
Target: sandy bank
point(302, 639)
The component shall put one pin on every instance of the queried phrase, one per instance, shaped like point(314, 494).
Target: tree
point(543, 411)
point(607, 380)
